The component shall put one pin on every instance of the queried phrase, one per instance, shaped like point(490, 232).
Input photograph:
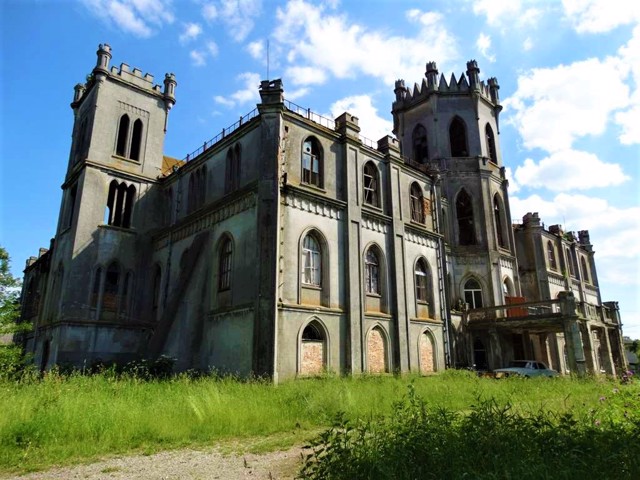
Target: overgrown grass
point(69, 419)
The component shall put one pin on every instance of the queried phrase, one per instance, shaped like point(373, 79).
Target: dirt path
point(183, 464)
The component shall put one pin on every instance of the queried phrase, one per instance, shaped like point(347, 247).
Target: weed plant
point(60, 419)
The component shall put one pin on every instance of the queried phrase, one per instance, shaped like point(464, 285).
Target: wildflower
point(615, 390)
point(602, 399)
point(597, 422)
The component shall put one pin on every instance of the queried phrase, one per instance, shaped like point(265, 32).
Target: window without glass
point(420, 149)
point(466, 226)
point(473, 293)
point(551, 255)
point(226, 253)
point(311, 261)
point(371, 193)
point(498, 216)
point(111, 285)
point(123, 134)
point(422, 281)
point(491, 144)
point(232, 174)
point(136, 140)
point(120, 204)
point(572, 270)
point(417, 203)
point(372, 271)
point(458, 138)
point(95, 291)
point(311, 162)
point(585, 270)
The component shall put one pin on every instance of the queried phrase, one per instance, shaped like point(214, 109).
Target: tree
point(11, 358)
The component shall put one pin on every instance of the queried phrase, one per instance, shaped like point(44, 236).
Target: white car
point(525, 368)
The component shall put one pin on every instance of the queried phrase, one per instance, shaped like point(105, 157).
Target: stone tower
point(452, 128)
point(120, 120)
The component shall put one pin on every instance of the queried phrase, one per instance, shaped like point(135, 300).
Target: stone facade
point(291, 245)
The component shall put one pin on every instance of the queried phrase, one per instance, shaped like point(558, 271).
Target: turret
point(432, 75)
point(473, 72)
point(170, 85)
point(78, 92)
point(104, 57)
point(493, 90)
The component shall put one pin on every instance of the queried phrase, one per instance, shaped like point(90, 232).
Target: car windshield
point(518, 363)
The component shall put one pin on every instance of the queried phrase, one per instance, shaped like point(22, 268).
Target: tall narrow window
point(371, 190)
point(95, 291)
point(497, 215)
point(473, 293)
point(71, 205)
point(136, 140)
point(123, 133)
point(238, 163)
point(157, 288)
point(232, 174)
point(458, 138)
point(311, 261)
point(466, 226)
point(491, 144)
point(420, 148)
point(311, 162)
point(570, 266)
point(551, 255)
point(422, 281)
point(417, 203)
point(226, 253)
point(81, 141)
point(372, 272)
point(585, 270)
point(111, 286)
point(128, 206)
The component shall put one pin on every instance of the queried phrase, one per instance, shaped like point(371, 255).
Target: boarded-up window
point(312, 350)
point(427, 358)
point(377, 352)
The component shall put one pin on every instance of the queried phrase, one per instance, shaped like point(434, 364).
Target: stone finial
point(104, 56)
point(432, 75)
point(473, 72)
point(272, 91)
point(583, 237)
point(493, 90)
point(400, 90)
point(170, 85)
point(78, 92)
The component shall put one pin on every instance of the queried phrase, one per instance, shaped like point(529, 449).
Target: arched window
point(569, 260)
point(311, 162)
point(377, 356)
point(136, 140)
point(491, 143)
point(311, 261)
point(371, 189)
point(417, 203)
point(458, 138)
point(123, 133)
point(420, 148)
point(585, 270)
point(551, 255)
point(506, 289)
point(372, 271)
point(445, 225)
point(473, 293)
point(313, 350)
point(225, 262)
point(466, 225)
point(422, 281)
point(111, 288)
point(157, 288)
point(119, 204)
point(232, 173)
point(498, 216)
point(427, 353)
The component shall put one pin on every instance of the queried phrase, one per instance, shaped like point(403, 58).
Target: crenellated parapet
point(468, 82)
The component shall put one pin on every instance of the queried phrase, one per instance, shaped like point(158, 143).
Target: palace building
point(290, 245)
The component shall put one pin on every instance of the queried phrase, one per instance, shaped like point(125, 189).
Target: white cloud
point(483, 44)
point(513, 185)
point(132, 16)
point(569, 170)
point(256, 49)
point(238, 16)
point(305, 75)
point(246, 94)
point(599, 16)
point(212, 48)
point(554, 106)
point(312, 37)
point(527, 44)
point(198, 58)
point(209, 12)
point(297, 93)
point(628, 120)
point(371, 124)
point(191, 32)
point(502, 13)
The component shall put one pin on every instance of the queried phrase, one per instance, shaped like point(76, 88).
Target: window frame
point(225, 264)
point(473, 293)
point(311, 261)
point(371, 184)
point(421, 281)
point(310, 158)
point(416, 197)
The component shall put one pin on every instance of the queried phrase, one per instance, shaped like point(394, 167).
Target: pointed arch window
point(420, 147)
point(491, 143)
point(585, 270)
point(466, 225)
point(372, 272)
point(499, 221)
point(311, 162)
point(572, 270)
point(551, 256)
point(111, 288)
point(225, 263)
point(313, 359)
point(123, 134)
point(136, 140)
point(422, 281)
point(232, 175)
point(119, 208)
point(417, 203)
point(473, 293)
point(311, 261)
point(458, 138)
point(371, 185)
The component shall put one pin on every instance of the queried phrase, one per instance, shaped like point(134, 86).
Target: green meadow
point(66, 419)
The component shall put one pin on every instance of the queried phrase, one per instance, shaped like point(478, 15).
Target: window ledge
point(125, 159)
point(313, 187)
point(372, 207)
point(416, 223)
point(129, 230)
point(373, 295)
point(310, 286)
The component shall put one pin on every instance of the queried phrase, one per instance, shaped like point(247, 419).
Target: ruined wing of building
point(290, 245)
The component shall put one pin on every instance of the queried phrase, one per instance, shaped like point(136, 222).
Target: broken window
point(311, 261)
point(372, 271)
point(417, 203)
point(420, 148)
point(422, 281)
point(491, 144)
point(466, 226)
point(371, 194)
point(498, 216)
point(311, 162)
point(458, 138)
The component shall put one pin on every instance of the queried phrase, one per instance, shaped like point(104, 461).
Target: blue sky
point(569, 74)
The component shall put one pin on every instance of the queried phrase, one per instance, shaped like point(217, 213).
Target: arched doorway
point(313, 350)
point(377, 361)
point(427, 353)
